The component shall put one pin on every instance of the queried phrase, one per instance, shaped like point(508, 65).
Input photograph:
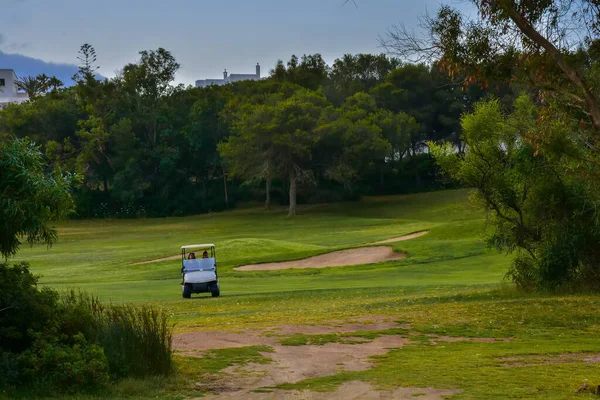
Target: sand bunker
point(401, 238)
point(363, 255)
point(335, 258)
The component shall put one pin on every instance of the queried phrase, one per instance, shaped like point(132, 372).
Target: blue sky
point(205, 36)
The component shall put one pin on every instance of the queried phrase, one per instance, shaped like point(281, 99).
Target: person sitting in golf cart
point(205, 254)
point(192, 256)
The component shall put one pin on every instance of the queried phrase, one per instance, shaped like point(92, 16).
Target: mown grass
point(450, 285)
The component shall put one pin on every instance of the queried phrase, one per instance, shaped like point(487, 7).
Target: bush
point(74, 342)
point(52, 365)
point(23, 307)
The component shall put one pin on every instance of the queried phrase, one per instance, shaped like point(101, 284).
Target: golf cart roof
point(197, 246)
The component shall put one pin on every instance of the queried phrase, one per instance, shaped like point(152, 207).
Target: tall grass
point(136, 340)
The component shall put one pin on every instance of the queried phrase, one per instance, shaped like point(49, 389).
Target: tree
point(250, 150)
point(350, 138)
point(277, 138)
point(358, 73)
point(146, 83)
point(535, 40)
point(547, 216)
point(87, 63)
point(29, 198)
point(310, 71)
point(552, 47)
point(55, 83)
point(31, 85)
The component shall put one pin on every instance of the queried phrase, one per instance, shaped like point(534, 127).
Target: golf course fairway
point(441, 322)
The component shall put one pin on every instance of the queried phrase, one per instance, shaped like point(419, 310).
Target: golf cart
point(199, 269)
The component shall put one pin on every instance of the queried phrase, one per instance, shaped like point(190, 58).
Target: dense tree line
point(310, 132)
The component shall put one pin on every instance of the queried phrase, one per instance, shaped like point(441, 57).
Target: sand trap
point(335, 264)
point(363, 255)
point(401, 238)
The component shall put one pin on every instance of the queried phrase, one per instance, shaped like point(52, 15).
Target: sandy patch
point(194, 343)
point(293, 364)
point(401, 238)
point(363, 255)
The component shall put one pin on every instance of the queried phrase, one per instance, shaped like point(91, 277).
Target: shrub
point(23, 307)
point(53, 365)
point(74, 342)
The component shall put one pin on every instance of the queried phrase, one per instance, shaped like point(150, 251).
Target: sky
point(205, 36)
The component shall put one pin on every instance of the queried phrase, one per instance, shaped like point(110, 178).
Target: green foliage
point(29, 197)
point(51, 366)
point(23, 307)
point(73, 342)
point(142, 143)
point(533, 204)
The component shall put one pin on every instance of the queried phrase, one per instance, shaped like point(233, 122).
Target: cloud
point(25, 66)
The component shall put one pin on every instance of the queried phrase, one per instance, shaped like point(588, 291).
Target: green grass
point(300, 339)
point(450, 285)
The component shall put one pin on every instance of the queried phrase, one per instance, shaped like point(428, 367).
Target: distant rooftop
point(229, 78)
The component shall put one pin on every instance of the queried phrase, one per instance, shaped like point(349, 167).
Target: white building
point(8, 89)
point(230, 78)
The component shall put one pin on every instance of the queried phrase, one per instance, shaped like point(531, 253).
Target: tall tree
point(281, 136)
point(87, 63)
point(350, 138)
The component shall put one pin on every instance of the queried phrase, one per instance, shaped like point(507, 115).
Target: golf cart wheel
point(187, 291)
point(215, 290)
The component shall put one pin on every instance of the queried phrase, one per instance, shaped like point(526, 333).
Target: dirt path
point(291, 364)
point(362, 255)
point(402, 238)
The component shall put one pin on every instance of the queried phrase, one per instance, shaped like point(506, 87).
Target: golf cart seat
point(200, 269)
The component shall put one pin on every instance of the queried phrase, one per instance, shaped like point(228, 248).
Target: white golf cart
point(199, 269)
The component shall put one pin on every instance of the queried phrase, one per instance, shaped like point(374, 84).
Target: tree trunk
point(225, 188)
point(571, 73)
point(268, 198)
point(293, 183)
point(105, 185)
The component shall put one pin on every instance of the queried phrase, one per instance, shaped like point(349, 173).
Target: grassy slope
point(98, 255)
point(449, 285)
